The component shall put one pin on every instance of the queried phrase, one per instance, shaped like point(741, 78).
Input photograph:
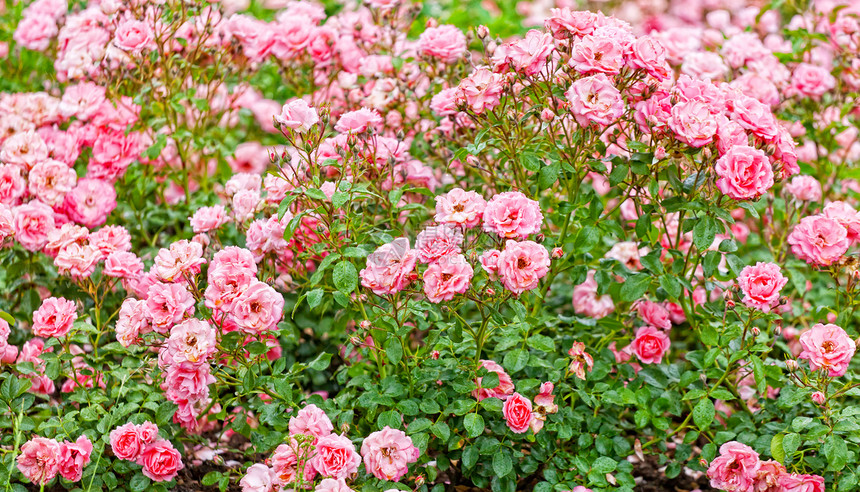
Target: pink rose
point(12, 184)
point(827, 347)
point(160, 461)
point(358, 121)
point(596, 54)
point(768, 476)
point(183, 258)
point(521, 265)
point(111, 238)
point(286, 463)
point(435, 242)
point(647, 53)
point(818, 398)
point(804, 188)
point(54, 318)
point(192, 340)
point(39, 460)
point(311, 421)
point(481, 90)
point(586, 300)
point(518, 413)
point(74, 456)
point(811, 81)
point(24, 149)
point(297, 115)
point(122, 264)
point(654, 314)
point(736, 467)
point(793, 482)
point(33, 222)
point(529, 55)
point(132, 322)
point(35, 32)
point(760, 284)
point(125, 442)
point(50, 180)
point(595, 100)
point(693, 123)
point(387, 454)
point(187, 381)
point(490, 262)
point(389, 268)
point(446, 42)
point(258, 309)
point(755, 116)
point(566, 23)
point(133, 36)
point(819, 240)
point(505, 387)
point(512, 215)
point(581, 361)
point(459, 207)
point(650, 344)
point(744, 173)
point(336, 457)
point(447, 277)
point(168, 304)
point(77, 261)
point(258, 478)
point(148, 432)
point(333, 485)
point(846, 215)
point(207, 219)
point(90, 202)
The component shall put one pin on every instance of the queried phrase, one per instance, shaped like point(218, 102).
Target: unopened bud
point(540, 238)
point(419, 480)
point(365, 324)
point(434, 355)
point(355, 341)
point(756, 331)
point(557, 253)
point(777, 331)
point(547, 115)
point(730, 304)
point(344, 428)
point(703, 462)
point(791, 365)
point(490, 291)
point(660, 153)
point(483, 32)
point(818, 398)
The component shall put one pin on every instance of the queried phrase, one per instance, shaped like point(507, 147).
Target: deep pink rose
point(54, 318)
point(518, 412)
point(512, 215)
point(650, 344)
point(160, 461)
point(793, 482)
point(504, 388)
point(736, 468)
point(744, 172)
point(521, 265)
point(74, 456)
point(336, 457)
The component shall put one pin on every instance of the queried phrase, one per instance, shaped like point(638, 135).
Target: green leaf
point(776, 449)
point(635, 287)
point(470, 456)
point(790, 443)
point(139, 482)
point(671, 286)
point(704, 233)
point(345, 277)
point(321, 362)
point(604, 465)
point(474, 424)
point(502, 463)
point(758, 373)
point(314, 298)
point(515, 360)
point(393, 350)
point(441, 430)
point(836, 452)
point(703, 413)
point(586, 239)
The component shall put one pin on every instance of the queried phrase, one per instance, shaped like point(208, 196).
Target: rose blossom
point(459, 207)
point(811, 81)
point(744, 173)
point(335, 457)
point(77, 260)
point(123, 264)
point(333, 485)
point(389, 268)
point(160, 460)
point(819, 240)
point(133, 36)
point(846, 215)
point(521, 265)
point(33, 222)
point(387, 454)
point(258, 309)
point(187, 381)
point(54, 318)
point(258, 478)
point(512, 215)
point(518, 412)
point(481, 90)
point(125, 442)
point(760, 284)
point(50, 180)
point(74, 456)
point(768, 475)
point(132, 322)
point(435, 242)
point(794, 482)
point(447, 277)
point(193, 340)
point(736, 467)
point(207, 219)
point(650, 344)
point(580, 360)
point(595, 100)
point(827, 347)
point(804, 188)
point(587, 302)
point(504, 388)
point(446, 42)
point(311, 421)
point(90, 202)
point(358, 121)
point(693, 123)
point(39, 460)
point(286, 463)
point(298, 116)
point(167, 304)
point(183, 258)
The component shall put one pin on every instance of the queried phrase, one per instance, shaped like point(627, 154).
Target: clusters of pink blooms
point(141, 444)
point(823, 239)
point(313, 451)
point(827, 347)
point(41, 459)
point(739, 468)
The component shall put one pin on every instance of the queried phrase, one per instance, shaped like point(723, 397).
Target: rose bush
point(287, 245)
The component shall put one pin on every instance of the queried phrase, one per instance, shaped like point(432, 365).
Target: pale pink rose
point(74, 456)
point(650, 345)
point(846, 215)
point(82, 100)
point(68, 234)
point(654, 314)
point(90, 202)
point(125, 442)
point(827, 347)
point(133, 36)
point(581, 361)
point(77, 260)
point(481, 90)
point(459, 207)
point(245, 204)
point(504, 388)
point(358, 121)
point(123, 264)
point(207, 219)
point(647, 53)
point(444, 103)
point(744, 172)
point(258, 478)
point(192, 340)
point(184, 258)
point(768, 475)
point(794, 482)
point(298, 116)
point(168, 304)
point(7, 222)
point(187, 381)
point(13, 185)
point(596, 54)
point(595, 100)
point(819, 240)
point(335, 457)
point(445, 42)
point(286, 463)
point(243, 181)
point(445, 278)
point(387, 454)
point(693, 123)
point(490, 262)
point(111, 238)
point(50, 180)
point(160, 461)
point(311, 421)
point(35, 32)
point(810, 81)
point(512, 215)
point(434, 242)
point(258, 309)
point(54, 318)
point(760, 284)
point(804, 188)
point(389, 268)
point(517, 411)
point(39, 460)
point(545, 398)
point(565, 23)
point(586, 300)
point(33, 221)
point(704, 65)
point(333, 485)
point(24, 149)
point(755, 116)
point(133, 321)
point(530, 54)
point(521, 265)
point(736, 468)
